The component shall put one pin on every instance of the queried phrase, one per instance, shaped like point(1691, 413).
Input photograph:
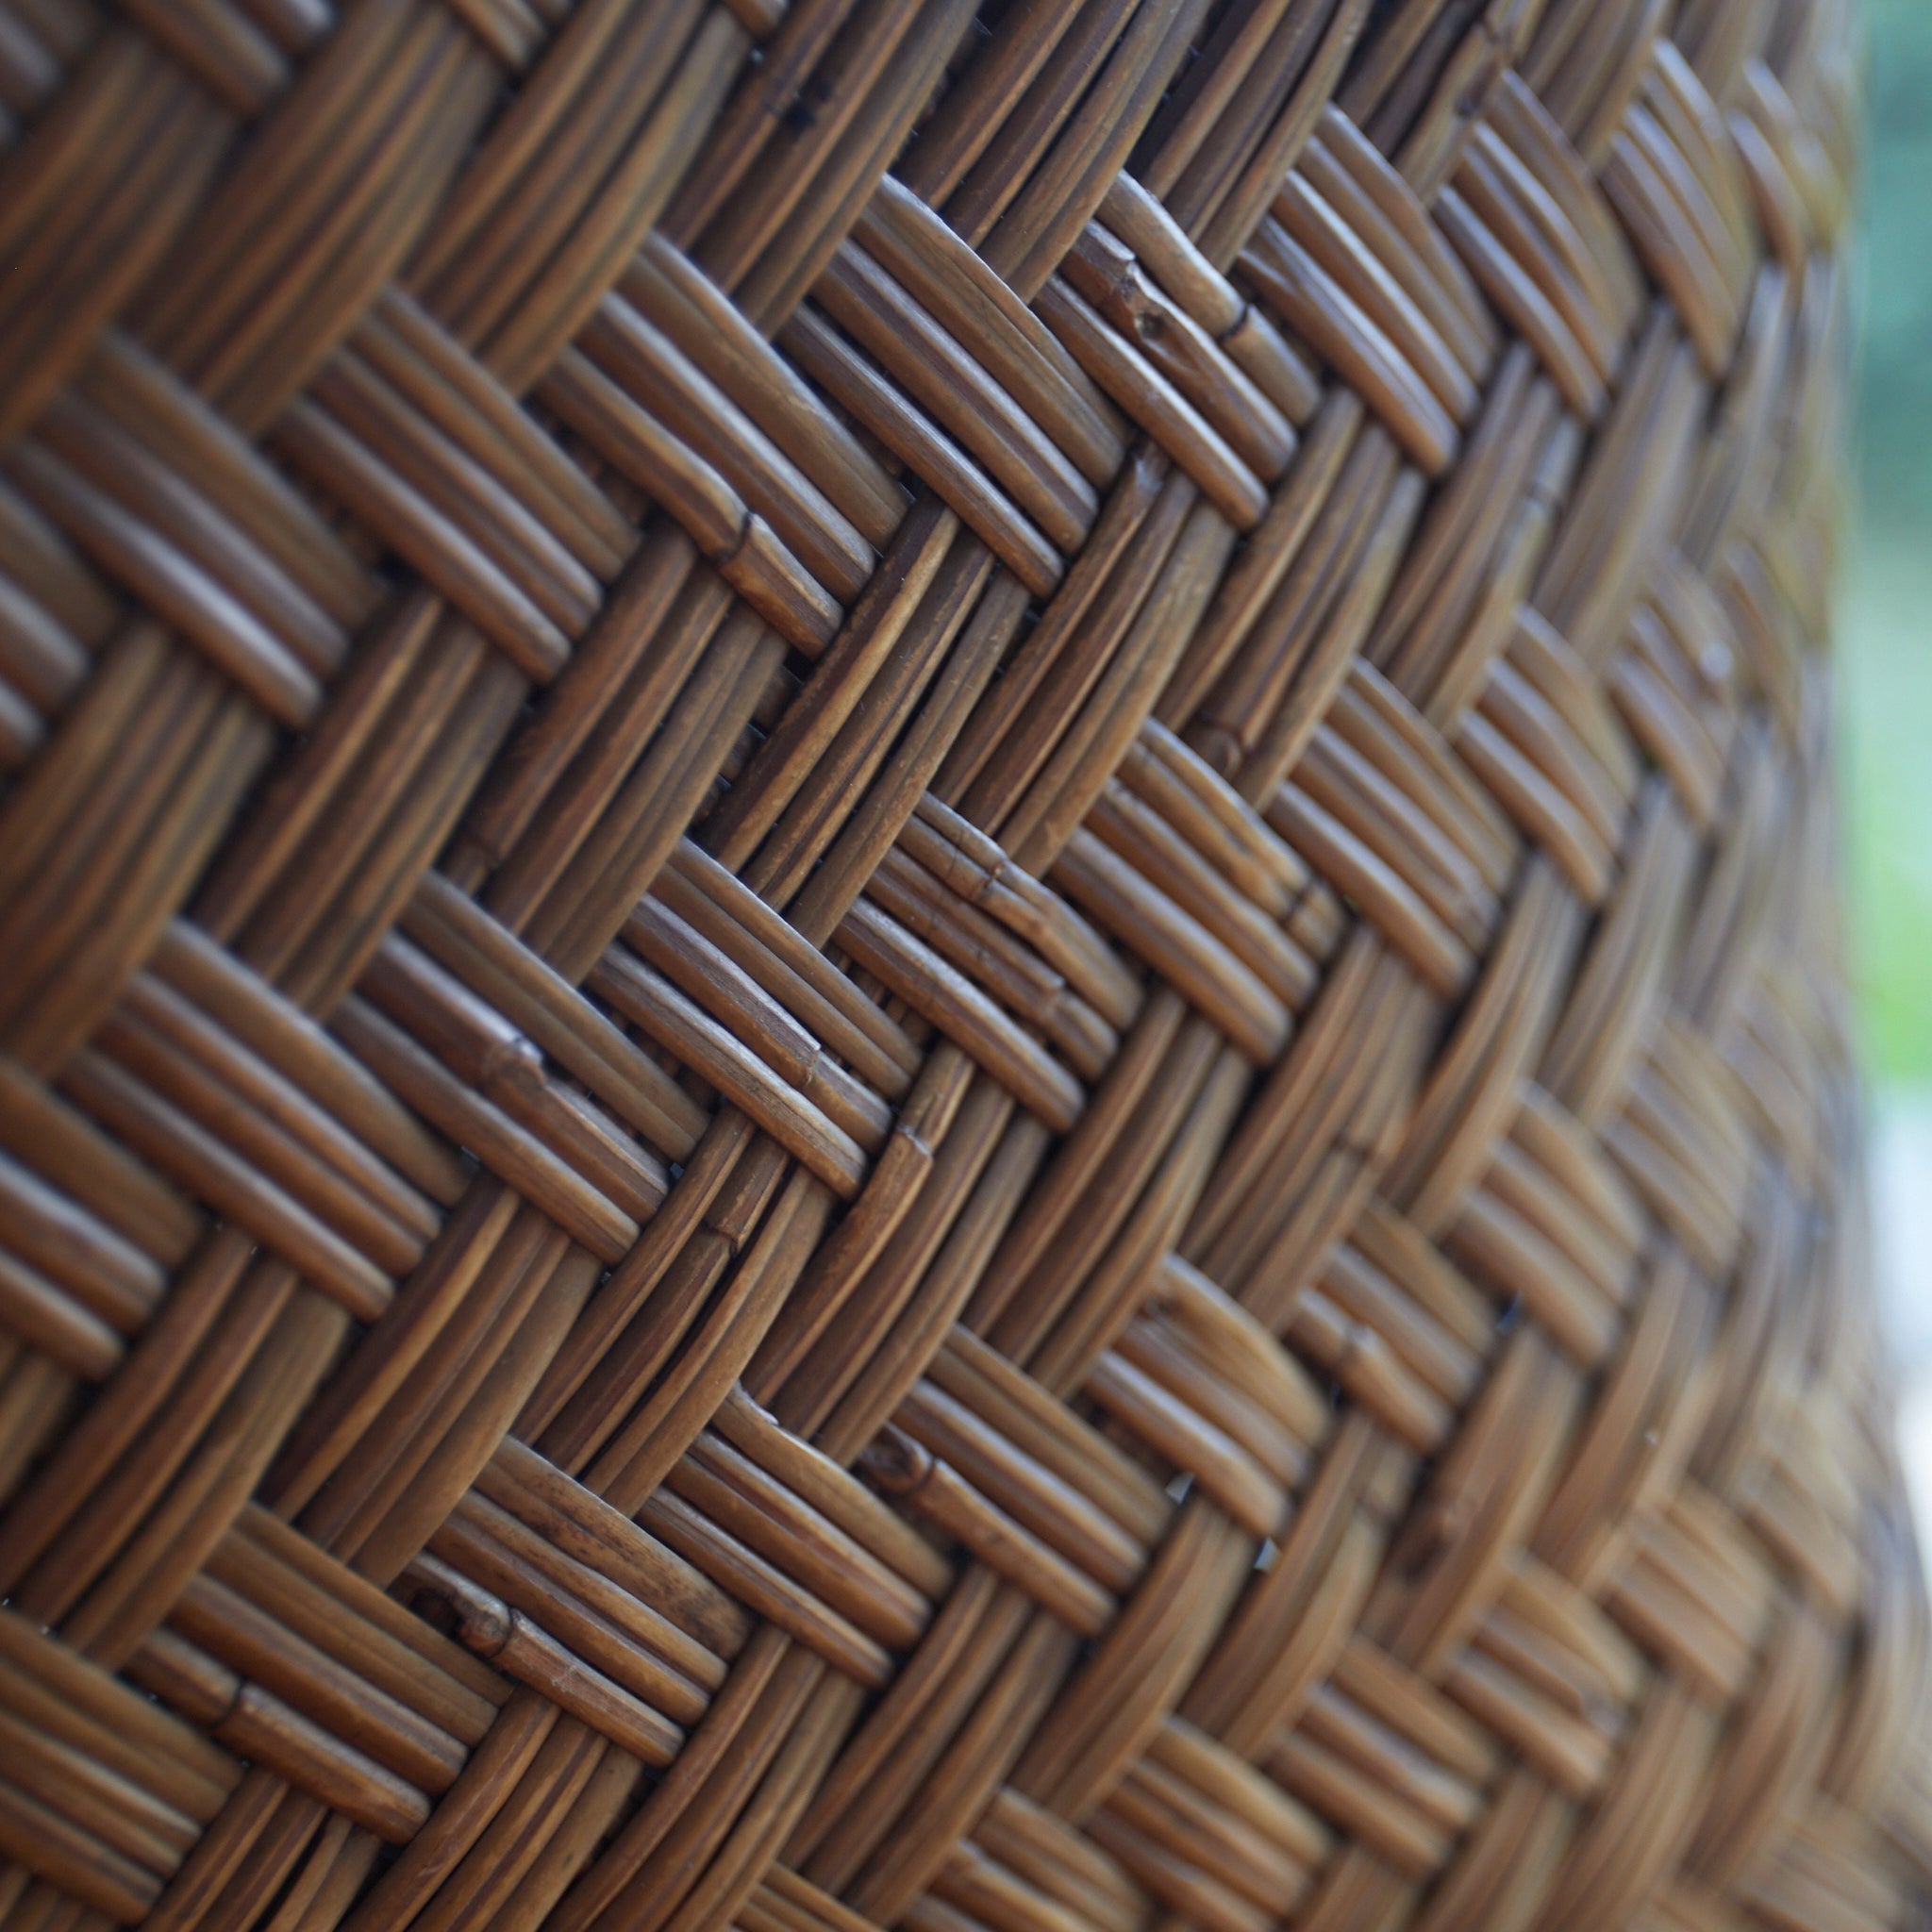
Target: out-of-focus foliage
point(1886, 619)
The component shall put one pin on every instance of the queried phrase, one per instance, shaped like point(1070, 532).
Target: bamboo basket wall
point(919, 981)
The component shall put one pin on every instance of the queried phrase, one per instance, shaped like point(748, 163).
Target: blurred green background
point(1885, 635)
point(1886, 589)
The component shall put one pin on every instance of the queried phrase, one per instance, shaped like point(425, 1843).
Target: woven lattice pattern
point(919, 987)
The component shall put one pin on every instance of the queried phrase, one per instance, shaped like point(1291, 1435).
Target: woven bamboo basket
point(918, 983)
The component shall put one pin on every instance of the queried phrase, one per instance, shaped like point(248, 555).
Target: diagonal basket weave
point(919, 986)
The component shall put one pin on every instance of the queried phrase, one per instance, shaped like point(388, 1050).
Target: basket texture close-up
point(921, 989)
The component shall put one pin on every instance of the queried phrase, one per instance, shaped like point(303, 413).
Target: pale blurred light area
point(1901, 1193)
point(1885, 641)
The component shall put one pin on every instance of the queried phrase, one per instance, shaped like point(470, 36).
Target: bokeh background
point(1885, 627)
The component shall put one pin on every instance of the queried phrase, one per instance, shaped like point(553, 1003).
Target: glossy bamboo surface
point(920, 998)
